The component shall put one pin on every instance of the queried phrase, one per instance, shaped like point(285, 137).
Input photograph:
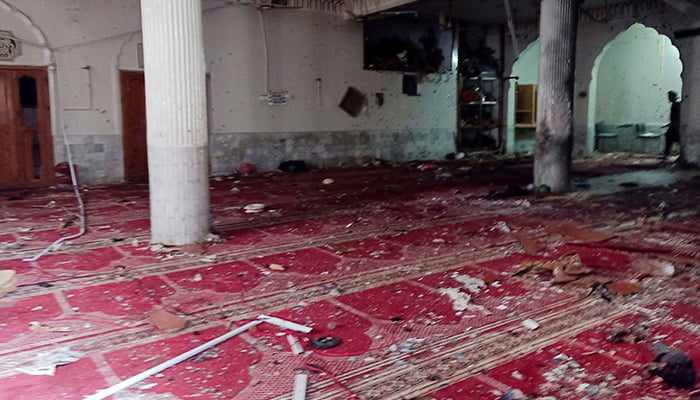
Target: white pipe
point(511, 28)
point(300, 382)
point(73, 177)
point(284, 324)
point(266, 57)
point(167, 364)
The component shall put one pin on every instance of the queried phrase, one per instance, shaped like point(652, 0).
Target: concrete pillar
point(690, 118)
point(555, 124)
point(178, 162)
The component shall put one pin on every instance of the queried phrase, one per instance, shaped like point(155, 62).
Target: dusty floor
point(425, 275)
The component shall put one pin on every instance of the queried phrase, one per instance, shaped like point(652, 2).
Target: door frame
point(129, 175)
point(44, 117)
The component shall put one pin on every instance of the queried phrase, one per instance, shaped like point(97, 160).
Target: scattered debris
point(282, 323)
point(367, 161)
point(619, 333)
point(653, 267)
point(195, 248)
point(579, 234)
point(328, 181)
point(294, 344)
point(8, 281)
point(205, 355)
point(502, 226)
point(531, 324)
point(529, 243)
point(197, 278)
point(324, 343)
point(624, 288)
point(166, 320)
point(66, 222)
point(254, 208)
point(511, 190)
point(565, 269)
point(513, 394)
point(473, 285)
point(277, 267)
point(293, 166)
point(426, 167)
point(489, 277)
point(460, 300)
point(45, 363)
point(543, 189)
point(673, 366)
point(35, 326)
point(102, 394)
point(214, 238)
point(161, 248)
point(300, 382)
point(247, 168)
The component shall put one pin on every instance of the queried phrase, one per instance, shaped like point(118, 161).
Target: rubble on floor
point(417, 282)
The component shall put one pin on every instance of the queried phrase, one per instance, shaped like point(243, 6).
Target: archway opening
point(520, 131)
point(628, 102)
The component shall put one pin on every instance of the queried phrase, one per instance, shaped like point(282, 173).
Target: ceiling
point(494, 11)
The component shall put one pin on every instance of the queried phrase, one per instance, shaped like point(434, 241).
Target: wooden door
point(26, 153)
point(134, 123)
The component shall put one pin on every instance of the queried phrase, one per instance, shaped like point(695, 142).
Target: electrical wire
point(511, 28)
point(76, 190)
point(265, 51)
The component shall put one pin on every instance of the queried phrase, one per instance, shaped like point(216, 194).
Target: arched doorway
point(628, 102)
point(520, 136)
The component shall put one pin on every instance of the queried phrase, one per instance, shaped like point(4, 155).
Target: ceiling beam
point(360, 8)
point(683, 5)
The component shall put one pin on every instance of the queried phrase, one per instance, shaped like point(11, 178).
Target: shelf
point(477, 126)
point(483, 78)
point(476, 103)
point(527, 126)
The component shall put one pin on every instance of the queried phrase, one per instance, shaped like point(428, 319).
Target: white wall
point(632, 77)
point(304, 46)
point(90, 41)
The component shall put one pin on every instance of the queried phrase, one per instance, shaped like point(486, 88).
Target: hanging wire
point(511, 28)
point(76, 190)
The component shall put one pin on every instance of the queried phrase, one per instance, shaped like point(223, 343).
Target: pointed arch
point(39, 41)
point(526, 67)
point(637, 68)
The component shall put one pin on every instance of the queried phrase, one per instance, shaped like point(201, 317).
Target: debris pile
point(673, 366)
point(8, 281)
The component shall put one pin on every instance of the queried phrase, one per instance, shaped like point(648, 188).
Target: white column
point(178, 155)
point(555, 93)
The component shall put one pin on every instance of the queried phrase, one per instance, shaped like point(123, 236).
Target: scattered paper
point(45, 363)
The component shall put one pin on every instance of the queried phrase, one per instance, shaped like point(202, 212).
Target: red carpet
point(370, 260)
